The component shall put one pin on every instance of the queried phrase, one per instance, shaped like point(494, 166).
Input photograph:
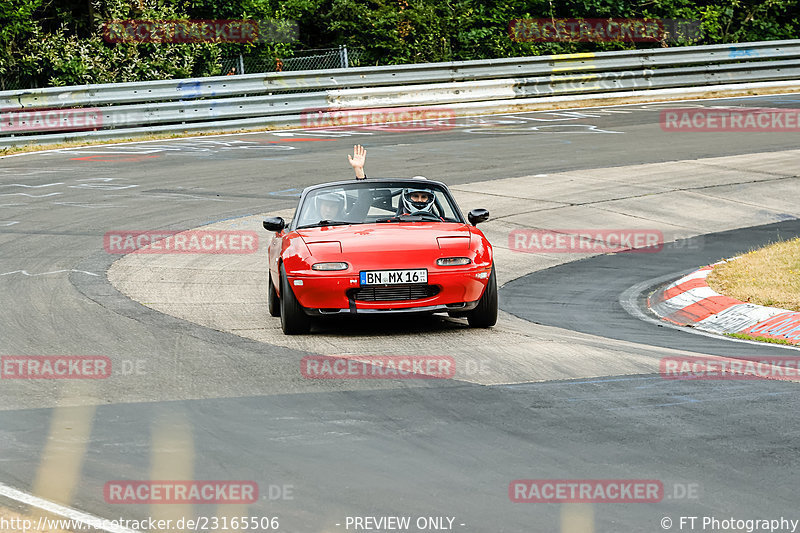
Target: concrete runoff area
point(227, 292)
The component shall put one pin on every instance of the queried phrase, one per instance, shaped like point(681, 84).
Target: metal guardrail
point(241, 101)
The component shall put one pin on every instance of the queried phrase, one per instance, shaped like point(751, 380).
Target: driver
point(330, 206)
point(417, 200)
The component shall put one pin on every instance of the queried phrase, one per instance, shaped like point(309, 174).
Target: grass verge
point(747, 337)
point(769, 276)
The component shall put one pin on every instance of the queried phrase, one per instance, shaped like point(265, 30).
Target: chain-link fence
point(321, 58)
point(312, 59)
point(11, 82)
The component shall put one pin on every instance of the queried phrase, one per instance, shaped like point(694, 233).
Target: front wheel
point(485, 314)
point(273, 302)
point(294, 319)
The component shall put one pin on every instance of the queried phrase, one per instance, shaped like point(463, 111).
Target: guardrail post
point(241, 64)
point(343, 60)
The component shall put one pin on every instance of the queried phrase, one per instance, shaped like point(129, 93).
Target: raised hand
point(357, 160)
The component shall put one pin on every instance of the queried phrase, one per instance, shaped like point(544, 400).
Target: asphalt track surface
point(591, 304)
point(421, 448)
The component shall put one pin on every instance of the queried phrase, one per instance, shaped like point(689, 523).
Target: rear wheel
point(485, 314)
point(294, 320)
point(273, 302)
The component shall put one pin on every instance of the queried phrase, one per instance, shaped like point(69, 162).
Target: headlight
point(329, 266)
point(453, 261)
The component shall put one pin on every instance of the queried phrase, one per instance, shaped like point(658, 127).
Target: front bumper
point(353, 310)
point(327, 293)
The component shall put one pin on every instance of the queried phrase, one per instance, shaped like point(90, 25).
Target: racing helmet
point(330, 200)
point(415, 206)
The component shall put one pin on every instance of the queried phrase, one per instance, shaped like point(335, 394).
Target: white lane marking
point(102, 186)
point(88, 206)
point(94, 522)
point(30, 171)
point(565, 128)
point(26, 273)
point(31, 186)
point(181, 196)
point(101, 152)
point(323, 133)
point(8, 222)
point(570, 115)
point(560, 116)
point(30, 195)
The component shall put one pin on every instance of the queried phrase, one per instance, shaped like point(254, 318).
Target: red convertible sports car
point(380, 246)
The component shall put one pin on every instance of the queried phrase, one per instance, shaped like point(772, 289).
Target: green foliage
point(759, 338)
point(60, 42)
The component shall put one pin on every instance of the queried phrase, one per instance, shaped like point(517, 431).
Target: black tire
point(485, 314)
point(294, 319)
point(273, 302)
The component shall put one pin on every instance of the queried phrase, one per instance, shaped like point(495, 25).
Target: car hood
point(390, 237)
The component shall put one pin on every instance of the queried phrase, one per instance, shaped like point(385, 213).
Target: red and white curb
point(689, 301)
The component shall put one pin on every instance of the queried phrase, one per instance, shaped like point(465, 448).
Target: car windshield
point(369, 202)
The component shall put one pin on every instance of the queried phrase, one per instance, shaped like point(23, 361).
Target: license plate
point(393, 277)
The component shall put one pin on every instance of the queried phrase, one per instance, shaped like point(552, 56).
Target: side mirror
point(476, 216)
point(275, 224)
